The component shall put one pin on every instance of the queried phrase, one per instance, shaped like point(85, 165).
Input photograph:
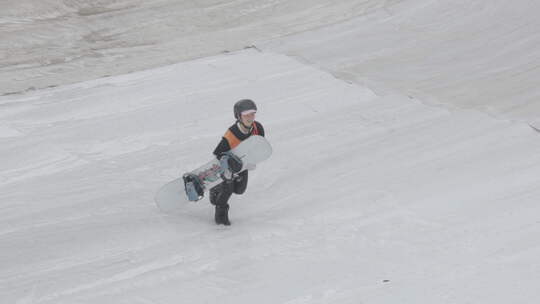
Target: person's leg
point(219, 196)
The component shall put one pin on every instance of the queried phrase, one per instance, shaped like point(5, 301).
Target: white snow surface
point(52, 42)
point(464, 53)
point(404, 170)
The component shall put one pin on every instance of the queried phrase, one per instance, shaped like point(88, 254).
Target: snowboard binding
point(194, 187)
point(230, 162)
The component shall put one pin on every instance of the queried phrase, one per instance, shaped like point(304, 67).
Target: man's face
point(247, 119)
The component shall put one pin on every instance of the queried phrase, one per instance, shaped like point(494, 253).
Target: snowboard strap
point(255, 131)
point(232, 139)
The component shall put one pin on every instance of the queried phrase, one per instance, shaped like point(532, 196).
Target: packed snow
point(52, 42)
point(393, 179)
point(475, 54)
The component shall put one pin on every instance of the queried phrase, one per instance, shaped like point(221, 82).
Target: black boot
point(222, 215)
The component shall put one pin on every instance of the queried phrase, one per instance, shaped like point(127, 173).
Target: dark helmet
point(243, 105)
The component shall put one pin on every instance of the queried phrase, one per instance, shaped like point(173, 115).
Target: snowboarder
point(244, 127)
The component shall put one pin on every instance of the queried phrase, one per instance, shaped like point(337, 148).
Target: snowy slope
point(371, 196)
point(52, 42)
point(463, 53)
point(361, 189)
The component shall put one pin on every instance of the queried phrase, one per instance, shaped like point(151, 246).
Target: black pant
point(220, 194)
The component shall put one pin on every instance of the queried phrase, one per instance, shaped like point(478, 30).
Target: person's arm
point(234, 164)
point(222, 147)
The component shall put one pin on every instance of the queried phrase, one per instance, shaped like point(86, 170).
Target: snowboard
point(192, 185)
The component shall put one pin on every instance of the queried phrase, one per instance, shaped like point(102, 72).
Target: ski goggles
point(247, 112)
